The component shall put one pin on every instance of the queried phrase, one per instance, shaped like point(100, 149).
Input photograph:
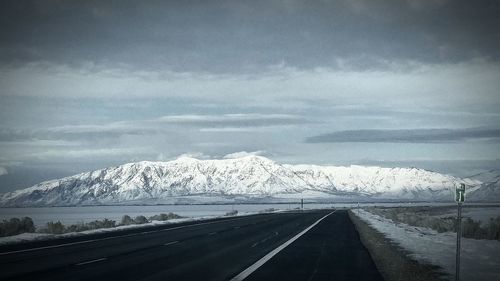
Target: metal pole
point(459, 235)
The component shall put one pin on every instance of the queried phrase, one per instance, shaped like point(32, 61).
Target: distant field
point(73, 215)
point(479, 221)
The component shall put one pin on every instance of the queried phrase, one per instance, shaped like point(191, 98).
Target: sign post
point(459, 198)
point(460, 194)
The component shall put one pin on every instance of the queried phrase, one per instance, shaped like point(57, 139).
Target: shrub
point(12, 227)
point(54, 227)
point(77, 227)
point(58, 227)
point(232, 213)
point(164, 217)
point(101, 224)
point(126, 220)
point(472, 229)
point(27, 225)
point(16, 226)
point(422, 216)
point(140, 220)
point(493, 229)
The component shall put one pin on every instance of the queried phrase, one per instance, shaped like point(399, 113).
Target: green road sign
point(460, 193)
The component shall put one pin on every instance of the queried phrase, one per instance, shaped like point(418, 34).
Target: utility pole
point(302, 204)
point(460, 198)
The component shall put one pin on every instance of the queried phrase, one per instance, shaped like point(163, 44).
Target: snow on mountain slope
point(489, 189)
point(398, 183)
point(247, 177)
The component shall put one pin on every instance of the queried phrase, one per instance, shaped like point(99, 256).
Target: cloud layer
point(88, 84)
point(213, 36)
point(409, 136)
point(243, 154)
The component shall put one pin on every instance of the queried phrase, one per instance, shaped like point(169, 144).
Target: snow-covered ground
point(480, 258)
point(25, 237)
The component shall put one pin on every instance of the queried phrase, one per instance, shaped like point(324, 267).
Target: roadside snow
point(480, 259)
point(27, 237)
point(24, 237)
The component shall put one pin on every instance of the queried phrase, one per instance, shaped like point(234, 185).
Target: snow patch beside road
point(480, 258)
point(28, 237)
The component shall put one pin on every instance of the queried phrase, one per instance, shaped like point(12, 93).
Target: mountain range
point(248, 179)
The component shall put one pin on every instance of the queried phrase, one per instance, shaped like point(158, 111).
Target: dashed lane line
point(92, 261)
point(265, 239)
point(170, 243)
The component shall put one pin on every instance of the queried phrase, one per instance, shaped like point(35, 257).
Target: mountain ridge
point(247, 178)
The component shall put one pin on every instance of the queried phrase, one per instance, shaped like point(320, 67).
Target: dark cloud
point(233, 120)
point(72, 133)
point(149, 127)
point(460, 168)
point(88, 84)
point(26, 176)
point(408, 136)
point(228, 36)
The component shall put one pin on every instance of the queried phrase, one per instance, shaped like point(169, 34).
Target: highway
point(309, 245)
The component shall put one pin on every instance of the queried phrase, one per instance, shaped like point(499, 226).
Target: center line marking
point(171, 243)
point(244, 274)
point(265, 239)
point(92, 261)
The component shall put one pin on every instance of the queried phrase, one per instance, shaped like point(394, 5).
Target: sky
point(89, 84)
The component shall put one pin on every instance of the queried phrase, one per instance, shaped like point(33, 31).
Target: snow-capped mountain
point(246, 178)
point(489, 188)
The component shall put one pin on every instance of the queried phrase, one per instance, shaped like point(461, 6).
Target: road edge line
point(245, 273)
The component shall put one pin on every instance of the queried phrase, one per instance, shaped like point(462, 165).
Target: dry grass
point(428, 217)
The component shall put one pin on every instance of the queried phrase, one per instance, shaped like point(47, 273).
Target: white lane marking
point(114, 237)
point(92, 261)
point(212, 233)
point(244, 274)
point(265, 239)
point(236, 227)
point(171, 243)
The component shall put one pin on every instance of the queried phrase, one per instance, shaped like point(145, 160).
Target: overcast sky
point(89, 84)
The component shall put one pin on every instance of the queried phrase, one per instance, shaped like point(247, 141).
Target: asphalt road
point(329, 251)
point(211, 250)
